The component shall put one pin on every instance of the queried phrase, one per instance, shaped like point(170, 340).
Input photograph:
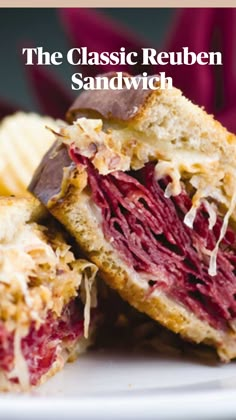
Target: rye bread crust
point(122, 105)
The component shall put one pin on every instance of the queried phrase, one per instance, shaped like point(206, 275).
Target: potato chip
point(24, 138)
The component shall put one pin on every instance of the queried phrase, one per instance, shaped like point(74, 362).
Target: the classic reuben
point(146, 183)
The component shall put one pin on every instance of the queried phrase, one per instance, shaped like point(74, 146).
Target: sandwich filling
point(46, 295)
point(166, 211)
point(149, 232)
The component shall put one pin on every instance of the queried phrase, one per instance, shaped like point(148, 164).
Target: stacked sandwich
point(145, 182)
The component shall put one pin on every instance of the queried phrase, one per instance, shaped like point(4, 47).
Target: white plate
point(105, 385)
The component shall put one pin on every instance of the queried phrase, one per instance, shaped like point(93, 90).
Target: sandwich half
point(45, 296)
point(145, 181)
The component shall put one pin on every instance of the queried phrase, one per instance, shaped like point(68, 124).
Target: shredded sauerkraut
point(209, 189)
point(88, 290)
point(212, 266)
point(20, 370)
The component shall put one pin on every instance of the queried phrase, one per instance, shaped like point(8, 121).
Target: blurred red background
point(48, 89)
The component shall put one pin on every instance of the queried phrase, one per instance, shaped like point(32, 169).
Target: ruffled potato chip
point(24, 138)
